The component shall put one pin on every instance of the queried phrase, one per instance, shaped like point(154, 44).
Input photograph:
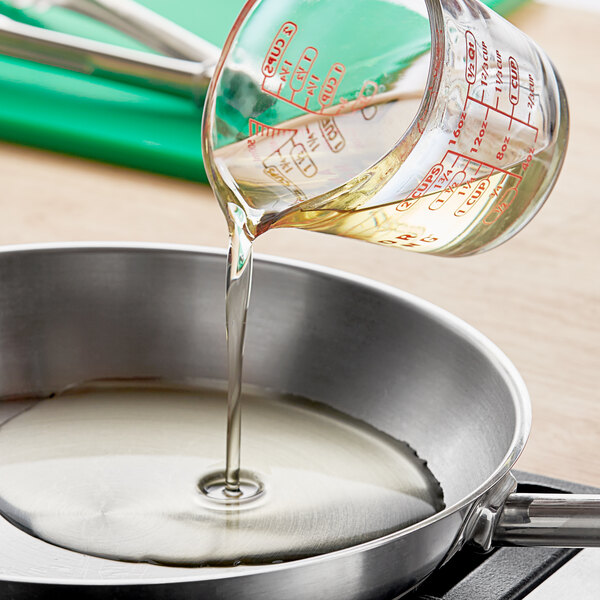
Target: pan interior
point(113, 469)
point(72, 314)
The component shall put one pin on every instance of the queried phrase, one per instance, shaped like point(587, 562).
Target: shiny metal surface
point(140, 23)
point(75, 312)
point(562, 520)
point(172, 75)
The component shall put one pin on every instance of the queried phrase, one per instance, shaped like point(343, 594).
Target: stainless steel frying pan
point(75, 312)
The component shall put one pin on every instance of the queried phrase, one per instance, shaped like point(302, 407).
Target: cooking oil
point(122, 470)
point(456, 206)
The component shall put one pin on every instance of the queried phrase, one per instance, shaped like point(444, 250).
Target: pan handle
point(556, 520)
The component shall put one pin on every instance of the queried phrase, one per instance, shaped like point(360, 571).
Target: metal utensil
point(173, 75)
point(138, 22)
point(184, 70)
point(76, 312)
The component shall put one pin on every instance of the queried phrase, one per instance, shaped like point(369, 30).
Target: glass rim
point(409, 137)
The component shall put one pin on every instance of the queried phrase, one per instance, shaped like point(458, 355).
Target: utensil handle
point(172, 75)
point(148, 27)
point(555, 520)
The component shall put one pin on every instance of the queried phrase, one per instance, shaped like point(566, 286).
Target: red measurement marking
point(313, 83)
point(332, 134)
point(479, 162)
point(459, 183)
point(276, 175)
point(494, 193)
point(470, 58)
point(258, 128)
point(513, 69)
point(500, 207)
point(485, 69)
point(428, 180)
point(475, 195)
point(304, 107)
point(368, 90)
point(467, 98)
point(284, 71)
point(287, 160)
point(331, 84)
point(407, 237)
point(278, 47)
point(303, 161)
point(303, 67)
point(422, 188)
point(528, 159)
point(500, 112)
point(446, 194)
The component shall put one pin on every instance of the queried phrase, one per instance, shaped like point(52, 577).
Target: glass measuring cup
point(360, 130)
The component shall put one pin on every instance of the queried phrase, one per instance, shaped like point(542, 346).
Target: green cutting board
point(118, 123)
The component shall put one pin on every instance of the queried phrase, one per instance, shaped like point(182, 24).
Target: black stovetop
point(512, 573)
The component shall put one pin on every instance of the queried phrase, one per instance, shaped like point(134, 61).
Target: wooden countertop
point(537, 297)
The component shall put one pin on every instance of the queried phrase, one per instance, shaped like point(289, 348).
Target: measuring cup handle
point(556, 520)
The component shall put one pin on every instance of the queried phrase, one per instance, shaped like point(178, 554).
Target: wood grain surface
point(537, 297)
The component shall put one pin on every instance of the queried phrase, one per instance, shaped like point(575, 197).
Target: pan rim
point(510, 374)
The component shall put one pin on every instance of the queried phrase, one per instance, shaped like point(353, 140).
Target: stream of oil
point(136, 472)
point(113, 469)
